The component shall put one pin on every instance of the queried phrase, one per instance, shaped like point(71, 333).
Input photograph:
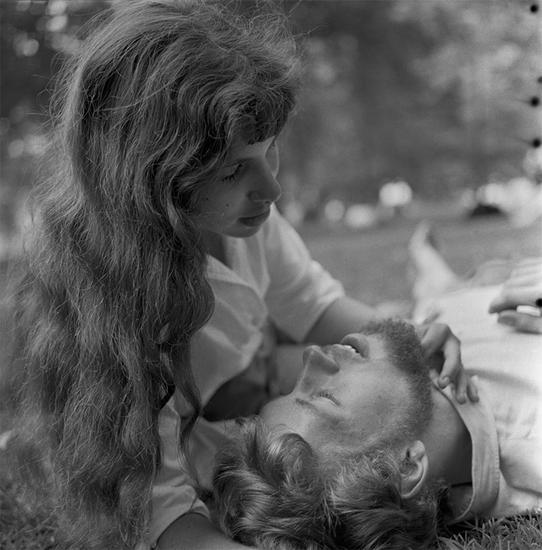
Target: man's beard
point(405, 352)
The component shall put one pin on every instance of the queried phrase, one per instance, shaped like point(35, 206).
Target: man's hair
point(273, 491)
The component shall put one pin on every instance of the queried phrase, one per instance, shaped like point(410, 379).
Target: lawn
point(373, 266)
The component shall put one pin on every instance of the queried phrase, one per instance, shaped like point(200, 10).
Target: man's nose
point(266, 189)
point(318, 367)
point(318, 362)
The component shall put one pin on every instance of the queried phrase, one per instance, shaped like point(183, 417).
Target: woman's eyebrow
point(233, 162)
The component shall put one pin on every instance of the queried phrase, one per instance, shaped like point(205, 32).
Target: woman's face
point(239, 201)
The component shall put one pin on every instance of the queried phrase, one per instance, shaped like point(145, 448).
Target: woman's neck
point(214, 246)
point(448, 444)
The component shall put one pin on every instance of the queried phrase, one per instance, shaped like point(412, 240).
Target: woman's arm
point(344, 316)
point(195, 532)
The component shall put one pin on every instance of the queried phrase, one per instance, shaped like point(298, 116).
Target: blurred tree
point(432, 92)
point(34, 36)
point(488, 57)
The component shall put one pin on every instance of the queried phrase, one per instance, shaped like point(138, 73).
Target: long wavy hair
point(114, 278)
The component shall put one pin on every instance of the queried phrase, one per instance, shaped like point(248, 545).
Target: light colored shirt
point(269, 276)
point(506, 425)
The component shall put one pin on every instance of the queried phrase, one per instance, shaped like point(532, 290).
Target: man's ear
point(414, 469)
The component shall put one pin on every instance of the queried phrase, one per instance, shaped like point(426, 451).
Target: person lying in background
point(518, 302)
point(366, 452)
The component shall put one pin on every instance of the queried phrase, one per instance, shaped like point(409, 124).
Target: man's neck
point(448, 444)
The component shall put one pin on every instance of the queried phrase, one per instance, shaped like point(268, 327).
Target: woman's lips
point(253, 221)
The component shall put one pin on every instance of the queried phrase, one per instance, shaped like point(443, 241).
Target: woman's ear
point(414, 469)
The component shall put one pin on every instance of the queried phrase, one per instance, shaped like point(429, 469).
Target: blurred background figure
point(395, 196)
point(520, 199)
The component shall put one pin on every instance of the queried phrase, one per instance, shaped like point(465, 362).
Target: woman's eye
point(232, 176)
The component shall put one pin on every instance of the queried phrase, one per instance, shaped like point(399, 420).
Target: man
point(358, 454)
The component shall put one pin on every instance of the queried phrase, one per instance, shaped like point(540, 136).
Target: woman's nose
point(266, 189)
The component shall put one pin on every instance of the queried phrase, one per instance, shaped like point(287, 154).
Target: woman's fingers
point(438, 337)
point(439, 341)
point(524, 287)
point(433, 336)
point(464, 388)
point(511, 297)
point(452, 368)
point(472, 390)
point(521, 321)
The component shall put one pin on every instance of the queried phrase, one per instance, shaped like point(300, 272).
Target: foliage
point(434, 92)
point(34, 37)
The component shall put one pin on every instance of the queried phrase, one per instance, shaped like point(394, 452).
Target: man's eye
point(233, 175)
point(327, 395)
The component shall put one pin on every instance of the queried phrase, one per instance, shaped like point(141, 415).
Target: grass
point(373, 266)
point(24, 522)
point(515, 533)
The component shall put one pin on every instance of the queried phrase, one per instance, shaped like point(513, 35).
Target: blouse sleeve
point(300, 289)
point(173, 493)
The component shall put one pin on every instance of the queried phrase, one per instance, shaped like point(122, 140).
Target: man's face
point(354, 394)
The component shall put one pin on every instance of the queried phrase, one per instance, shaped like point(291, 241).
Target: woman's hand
point(523, 288)
point(442, 350)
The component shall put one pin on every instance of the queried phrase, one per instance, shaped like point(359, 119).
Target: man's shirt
point(506, 425)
